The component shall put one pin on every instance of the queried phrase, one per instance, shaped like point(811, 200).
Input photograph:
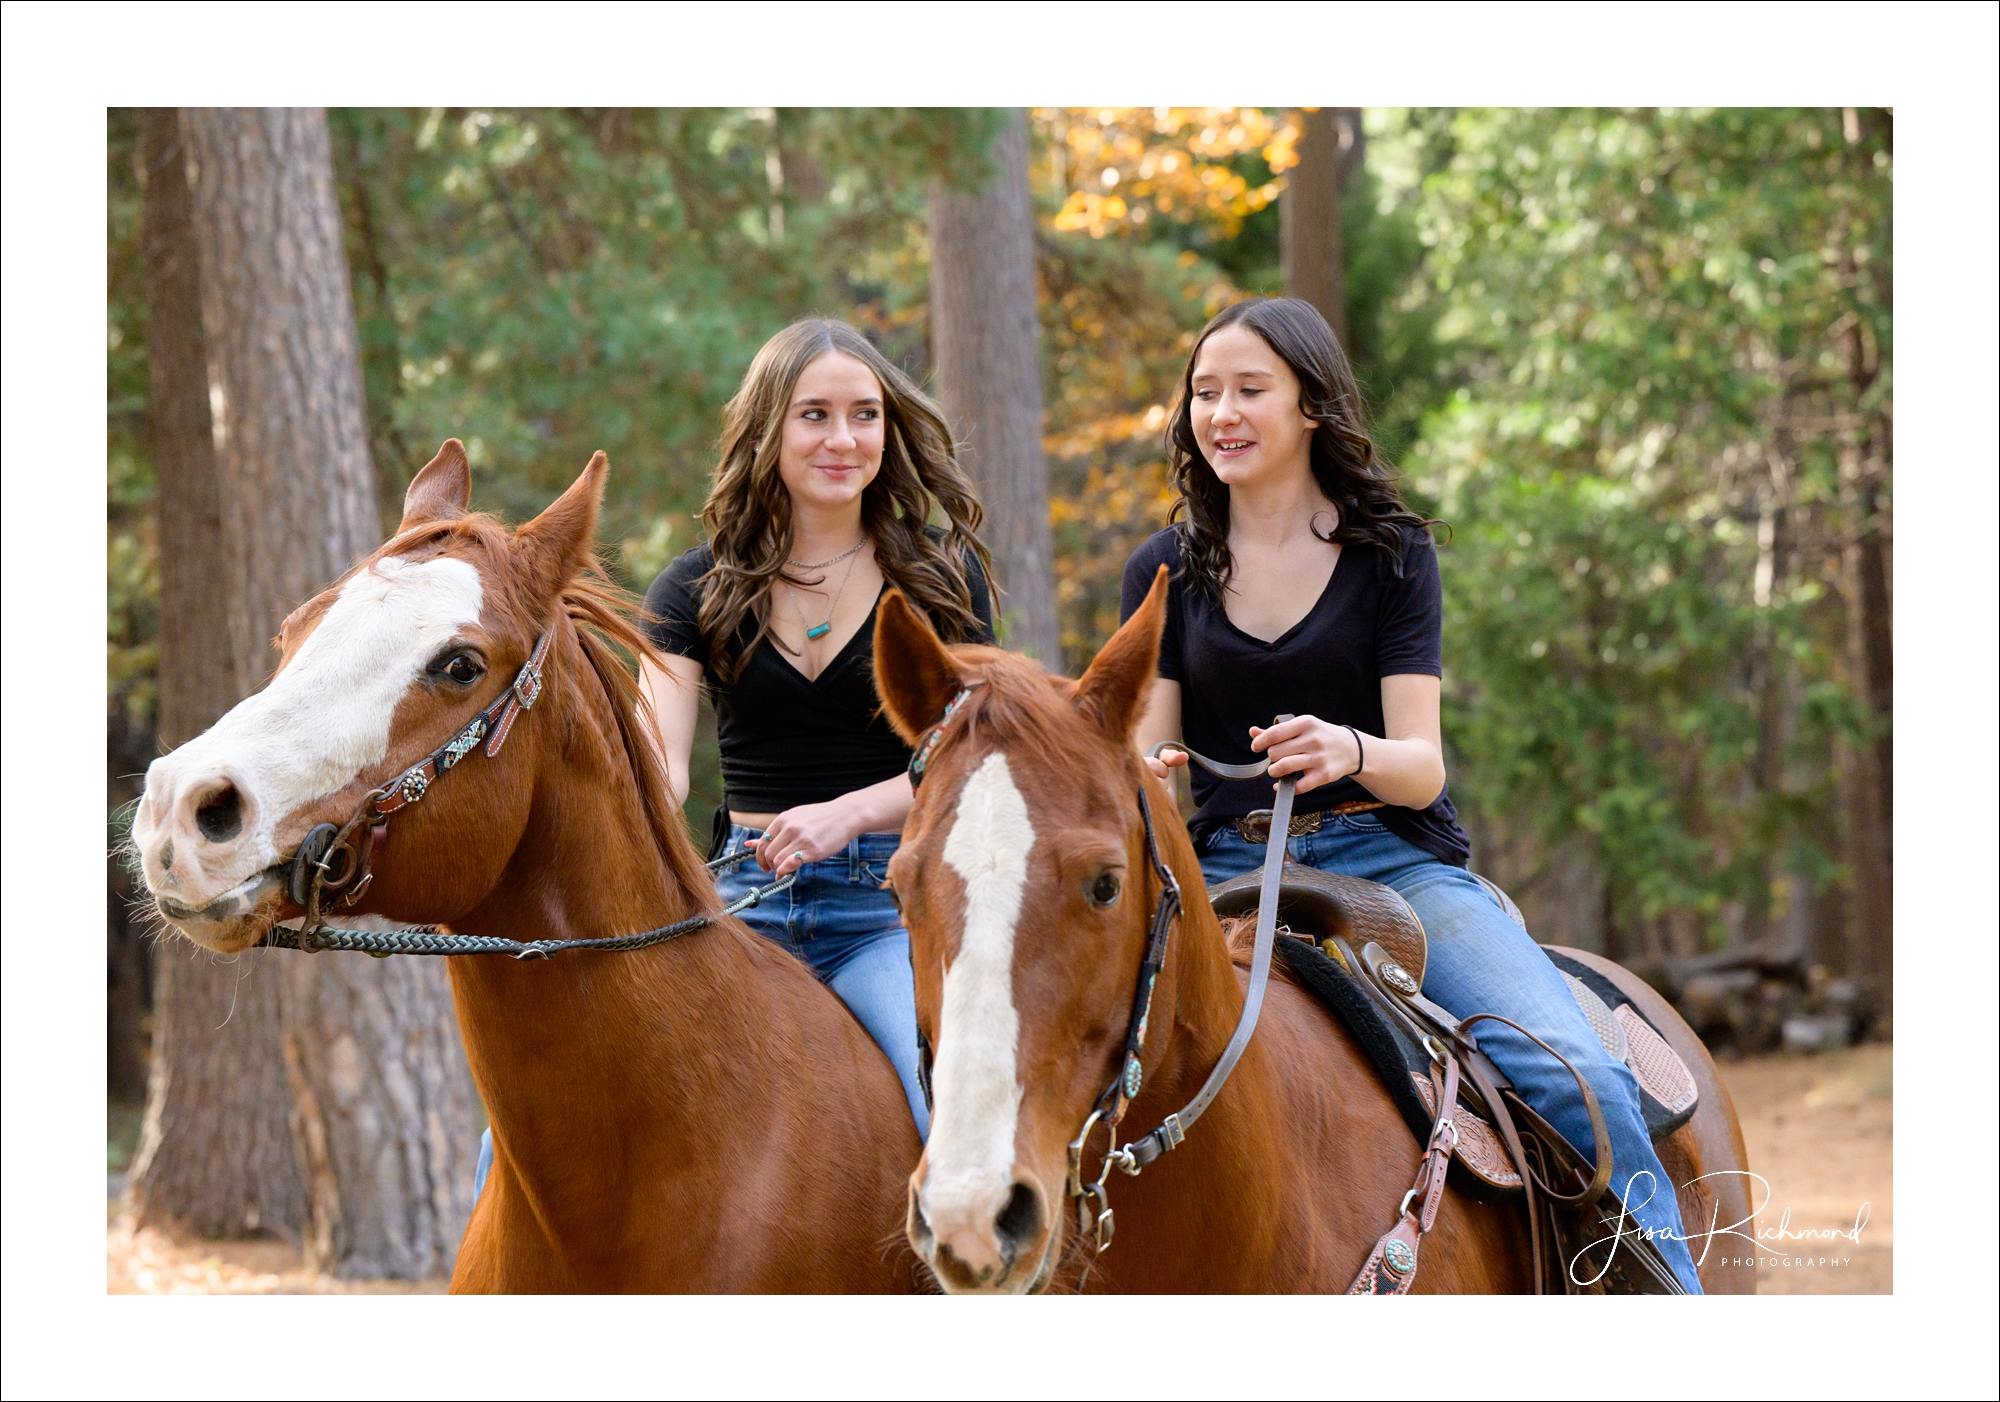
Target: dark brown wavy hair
point(748, 514)
point(1344, 462)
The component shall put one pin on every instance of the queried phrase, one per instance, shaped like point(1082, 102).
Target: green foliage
point(1631, 357)
point(1651, 319)
point(547, 283)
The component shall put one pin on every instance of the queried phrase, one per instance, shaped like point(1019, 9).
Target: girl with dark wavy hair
point(1302, 585)
point(832, 463)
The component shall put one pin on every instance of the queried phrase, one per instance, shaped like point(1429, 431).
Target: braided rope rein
point(430, 939)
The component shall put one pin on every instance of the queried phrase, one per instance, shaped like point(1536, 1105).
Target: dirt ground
point(1817, 1128)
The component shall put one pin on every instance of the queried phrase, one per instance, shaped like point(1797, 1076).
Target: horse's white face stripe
point(976, 1081)
point(324, 719)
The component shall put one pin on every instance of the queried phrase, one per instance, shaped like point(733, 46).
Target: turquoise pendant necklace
point(815, 632)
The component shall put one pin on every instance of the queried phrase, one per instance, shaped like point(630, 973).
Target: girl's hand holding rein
point(1164, 764)
point(1315, 750)
point(1404, 767)
point(812, 832)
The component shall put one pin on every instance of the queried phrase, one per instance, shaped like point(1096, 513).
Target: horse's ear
point(914, 675)
point(1115, 686)
point(442, 490)
point(554, 548)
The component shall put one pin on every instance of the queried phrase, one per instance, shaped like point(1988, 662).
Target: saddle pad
point(1667, 1092)
point(1480, 1167)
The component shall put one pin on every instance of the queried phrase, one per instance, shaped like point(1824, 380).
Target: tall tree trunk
point(216, 1151)
point(358, 1061)
point(985, 345)
point(1868, 775)
point(1867, 770)
point(1310, 243)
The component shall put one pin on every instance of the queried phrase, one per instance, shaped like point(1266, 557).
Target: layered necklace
point(816, 632)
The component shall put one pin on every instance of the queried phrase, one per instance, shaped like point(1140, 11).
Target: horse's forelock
point(1032, 714)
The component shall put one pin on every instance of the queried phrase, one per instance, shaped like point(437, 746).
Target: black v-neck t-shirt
point(787, 739)
point(1367, 624)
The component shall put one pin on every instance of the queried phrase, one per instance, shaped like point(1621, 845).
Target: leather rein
point(1117, 1096)
point(1125, 1084)
point(335, 864)
point(1391, 1265)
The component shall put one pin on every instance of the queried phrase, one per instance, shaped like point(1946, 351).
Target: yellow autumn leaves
point(1124, 165)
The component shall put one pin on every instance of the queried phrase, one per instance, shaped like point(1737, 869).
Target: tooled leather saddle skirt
point(1323, 911)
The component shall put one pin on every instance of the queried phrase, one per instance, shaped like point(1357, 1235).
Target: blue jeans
point(1480, 961)
point(837, 919)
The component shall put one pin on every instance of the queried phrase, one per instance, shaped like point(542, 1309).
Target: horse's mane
point(605, 618)
point(607, 621)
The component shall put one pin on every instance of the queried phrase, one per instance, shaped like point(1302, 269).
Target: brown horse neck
point(586, 1047)
point(1207, 994)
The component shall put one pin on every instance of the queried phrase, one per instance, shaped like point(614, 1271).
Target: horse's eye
point(463, 668)
point(1104, 890)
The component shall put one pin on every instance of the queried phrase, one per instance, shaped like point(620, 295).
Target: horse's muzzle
point(1008, 1256)
point(234, 920)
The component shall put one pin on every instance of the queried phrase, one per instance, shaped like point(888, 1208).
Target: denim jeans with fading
point(838, 920)
point(1480, 961)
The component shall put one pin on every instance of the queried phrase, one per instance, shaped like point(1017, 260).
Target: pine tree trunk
point(985, 345)
point(1311, 246)
point(384, 1118)
point(215, 1155)
point(1867, 771)
point(353, 1067)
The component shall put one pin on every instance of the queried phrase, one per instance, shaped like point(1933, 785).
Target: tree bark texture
point(1311, 246)
point(985, 334)
point(215, 1153)
point(357, 1062)
point(284, 370)
point(384, 1119)
point(1868, 770)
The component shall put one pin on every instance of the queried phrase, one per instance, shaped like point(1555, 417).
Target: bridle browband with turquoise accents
point(336, 863)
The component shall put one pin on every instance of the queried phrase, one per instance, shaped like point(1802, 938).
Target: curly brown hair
point(1344, 462)
point(748, 514)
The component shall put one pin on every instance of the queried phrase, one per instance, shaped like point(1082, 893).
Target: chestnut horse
point(698, 1115)
point(1026, 885)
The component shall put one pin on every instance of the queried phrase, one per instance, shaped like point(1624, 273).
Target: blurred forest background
point(1640, 361)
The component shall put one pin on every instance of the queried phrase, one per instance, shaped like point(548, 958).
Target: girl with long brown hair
point(832, 464)
point(1302, 585)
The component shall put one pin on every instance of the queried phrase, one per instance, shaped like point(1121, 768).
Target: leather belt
point(1256, 827)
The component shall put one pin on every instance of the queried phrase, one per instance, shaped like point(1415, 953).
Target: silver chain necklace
point(814, 633)
point(851, 550)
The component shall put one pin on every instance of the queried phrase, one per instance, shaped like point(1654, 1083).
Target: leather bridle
point(335, 863)
point(1130, 1076)
point(1117, 1096)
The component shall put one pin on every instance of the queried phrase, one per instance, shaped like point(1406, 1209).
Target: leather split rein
point(1390, 1268)
point(335, 865)
point(1125, 1084)
point(1093, 1199)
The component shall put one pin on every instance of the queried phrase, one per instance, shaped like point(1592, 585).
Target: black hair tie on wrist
point(1360, 755)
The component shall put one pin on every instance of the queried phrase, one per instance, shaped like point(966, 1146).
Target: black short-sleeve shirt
point(1367, 624)
point(787, 740)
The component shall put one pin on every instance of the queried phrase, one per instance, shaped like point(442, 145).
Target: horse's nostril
point(1019, 1221)
point(220, 816)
